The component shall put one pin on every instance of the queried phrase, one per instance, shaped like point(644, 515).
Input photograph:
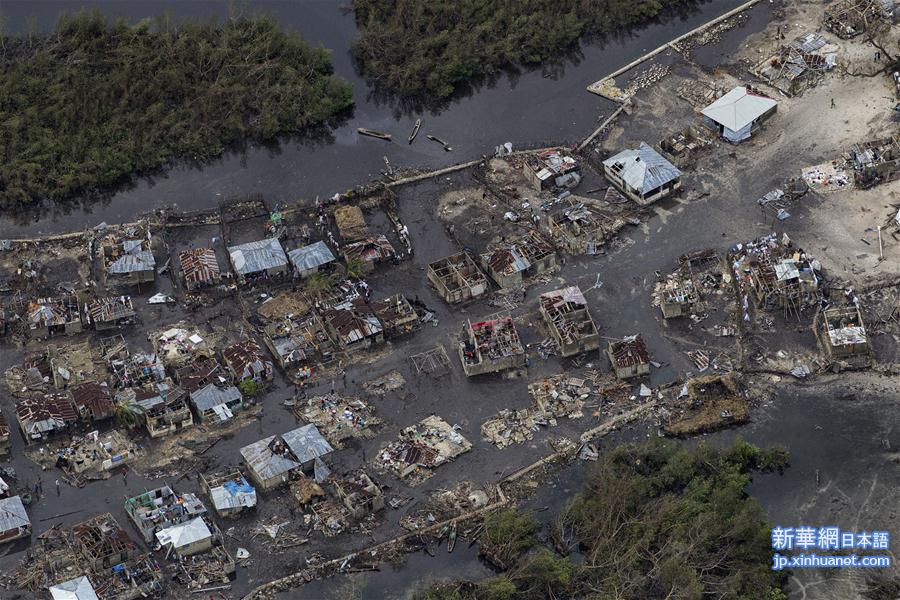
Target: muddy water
point(548, 104)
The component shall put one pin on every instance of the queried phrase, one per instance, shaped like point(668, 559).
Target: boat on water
point(451, 542)
point(415, 131)
point(434, 138)
point(374, 134)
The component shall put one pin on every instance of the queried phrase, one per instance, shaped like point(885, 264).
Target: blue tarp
point(235, 488)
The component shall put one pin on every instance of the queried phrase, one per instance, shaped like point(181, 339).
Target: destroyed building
point(843, 332)
point(102, 542)
point(277, 459)
point(163, 407)
point(93, 401)
point(47, 317)
point(566, 313)
point(740, 112)
point(350, 223)
point(129, 261)
point(72, 364)
point(371, 251)
point(777, 275)
point(551, 168)
point(642, 174)
point(580, 227)
point(199, 373)
point(14, 521)
point(677, 295)
point(216, 403)
point(260, 260)
point(457, 278)
point(353, 326)
point(422, 447)
point(359, 494)
point(490, 346)
point(875, 162)
point(705, 404)
point(161, 508)
point(96, 453)
point(397, 315)
point(849, 18)
point(4, 436)
point(109, 312)
point(509, 263)
point(229, 493)
point(130, 369)
point(295, 342)
point(338, 417)
point(200, 268)
point(245, 360)
point(309, 259)
point(683, 147)
point(799, 65)
point(43, 415)
point(177, 346)
point(629, 357)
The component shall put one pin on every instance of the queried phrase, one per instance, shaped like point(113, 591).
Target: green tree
point(249, 388)
point(129, 414)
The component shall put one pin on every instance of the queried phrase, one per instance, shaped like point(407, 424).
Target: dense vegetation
point(86, 106)
point(429, 47)
point(654, 521)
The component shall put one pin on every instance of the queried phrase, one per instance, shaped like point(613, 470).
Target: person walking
point(57, 487)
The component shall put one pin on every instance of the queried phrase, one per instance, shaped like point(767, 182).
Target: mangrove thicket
point(93, 102)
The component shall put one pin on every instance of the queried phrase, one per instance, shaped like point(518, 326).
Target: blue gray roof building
point(642, 169)
point(311, 257)
point(255, 257)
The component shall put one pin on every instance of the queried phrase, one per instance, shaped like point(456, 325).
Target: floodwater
point(531, 108)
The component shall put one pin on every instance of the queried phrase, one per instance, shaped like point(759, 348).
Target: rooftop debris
point(162, 406)
point(566, 313)
point(130, 369)
point(161, 508)
point(397, 314)
point(178, 345)
point(72, 364)
point(390, 381)
point(512, 426)
point(423, 447)
point(108, 312)
point(798, 65)
point(229, 492)
point(93, 401)
point(551, 168)
point(359, 493)
point(354, 325)
point(296, 340)
point(642, 174)
point(875, 162)
point(491, 345)
point(843, 332)
point(199, 373)
point(275, 460)
point(705, 404)
point(52, 316)
point(200, 268)
point(128, 258)
point(683, 147)
point(42, 415)
point(581, 226)
point(339, 417)
point(776, 274)
point(629, 357)
point(509, 263)
point(93, 456)
point(245, 360)
point(457, 278)
point(830, 176)
point(849, 18)
point(371, 250)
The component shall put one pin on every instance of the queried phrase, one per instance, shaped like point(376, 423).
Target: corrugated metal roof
point(232, 494)
point(199, 265)
point(266, 463)
point(642, 169)
point(310, 257)
point(254, 257)
point(184, 534)
point(12, 514)
point(133, 262)
point(212, 395)
point(307, 443)
point(79, 588)
point(109, 308)
point(738, 108)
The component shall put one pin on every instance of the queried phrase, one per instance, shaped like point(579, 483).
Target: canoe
point(415, 131)
point(374, 134)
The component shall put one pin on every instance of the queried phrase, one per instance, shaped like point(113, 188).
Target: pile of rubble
point(339, 417)
point(422, 447)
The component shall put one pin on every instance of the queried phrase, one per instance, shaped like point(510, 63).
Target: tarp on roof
point(310, 257)
point(254, 257)
point(184, 534)
point(79, 588)
point(643, 168)
point(232, 494)
point(738, 108)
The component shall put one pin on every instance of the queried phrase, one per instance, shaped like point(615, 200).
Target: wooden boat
point(374, 134)
point(415, 131)
point(439, 141)
point(451, 542)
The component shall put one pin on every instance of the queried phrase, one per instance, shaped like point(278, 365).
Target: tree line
point(428, 48)
point(83, 108)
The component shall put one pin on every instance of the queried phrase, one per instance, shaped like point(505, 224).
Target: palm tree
point(318, 283)
point(129, 414)
point(355, 268)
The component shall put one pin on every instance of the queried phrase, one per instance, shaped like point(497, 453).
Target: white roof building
point(737, 111)
point(181, 536)
point(79, 588)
